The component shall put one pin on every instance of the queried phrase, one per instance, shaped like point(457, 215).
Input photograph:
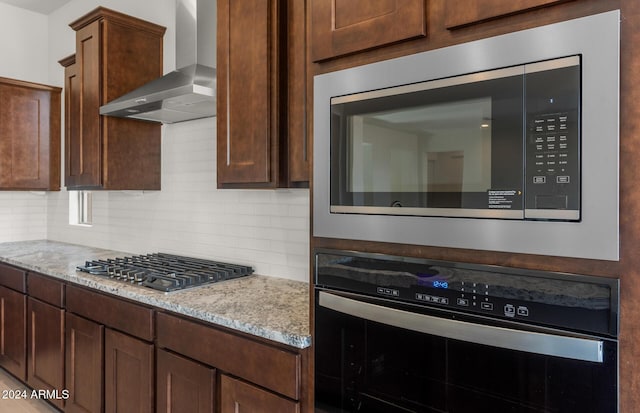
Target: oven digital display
point(440, 284)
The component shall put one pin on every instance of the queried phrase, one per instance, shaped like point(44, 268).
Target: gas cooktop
point(165, 272)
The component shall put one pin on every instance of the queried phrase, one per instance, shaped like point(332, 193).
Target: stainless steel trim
point(552, 64)
point(599, 52)
point(559, 214)
point(432, 84)
point(429, 212)
point(575, 348)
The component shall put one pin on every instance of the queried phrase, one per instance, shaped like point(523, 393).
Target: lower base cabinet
point(84, 365)
point(239, 397)
point(183, 385)
point(128, 375)
point(97, 353)
point(13, 333)
point(46, 349)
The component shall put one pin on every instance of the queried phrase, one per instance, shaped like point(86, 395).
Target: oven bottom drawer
point(366, 361)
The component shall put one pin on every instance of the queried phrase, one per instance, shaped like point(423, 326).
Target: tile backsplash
point(23, 216)
point(268, 229)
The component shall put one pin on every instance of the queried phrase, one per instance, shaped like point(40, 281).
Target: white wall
point(264, 228)
point(23, 44)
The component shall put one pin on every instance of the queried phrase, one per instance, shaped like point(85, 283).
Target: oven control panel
point(578, 302)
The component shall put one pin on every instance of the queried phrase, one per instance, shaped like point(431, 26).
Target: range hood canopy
point(190, 91)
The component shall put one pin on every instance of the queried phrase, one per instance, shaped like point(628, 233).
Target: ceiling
point(39, 6)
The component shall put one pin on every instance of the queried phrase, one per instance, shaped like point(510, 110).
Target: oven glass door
point(371, 366)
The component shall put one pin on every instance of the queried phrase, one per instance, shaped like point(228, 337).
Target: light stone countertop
point(269, 307)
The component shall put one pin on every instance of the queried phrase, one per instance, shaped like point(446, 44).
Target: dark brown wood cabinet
point(84, 364)
point(128, 374)
point(13, 308)
point(182, 385)
point(13, 326)
point(462, 13)
point(104, 152)
point(254, 375)
point(29, 136)
point(341, 27)
point(45, 335)
point(114, 337)
point(261, 78)
point(45, 349)
point(239, 397)
point(114, 355)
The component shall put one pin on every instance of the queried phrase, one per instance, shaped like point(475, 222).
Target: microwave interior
point(501, 143)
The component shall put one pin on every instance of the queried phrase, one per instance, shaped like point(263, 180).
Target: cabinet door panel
point(341, 27)
point(247, 91)
point(13, 310)
point(465, 12)
point(46, 348)
point(29, 136)
point(83, 147)
point(183, 385)
point(84, 365)
point(239, 397)
point(128, 374)
point(299, 147)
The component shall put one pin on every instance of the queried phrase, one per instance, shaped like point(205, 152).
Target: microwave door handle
point(533, 342)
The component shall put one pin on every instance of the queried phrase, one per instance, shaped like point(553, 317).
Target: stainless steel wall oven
point(395, 334)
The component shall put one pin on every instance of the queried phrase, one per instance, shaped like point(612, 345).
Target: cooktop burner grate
point(165, 272)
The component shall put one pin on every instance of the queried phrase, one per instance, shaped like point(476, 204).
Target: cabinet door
point(13, 310)
point(82, 134)
point(239, 397)
point(84, 365)
point(183, 385)
point(248, 97)
point(299, 146)
point(29, 137)
point(46, 348)
point(464, 12)
point(128, 376)
point(340, 27)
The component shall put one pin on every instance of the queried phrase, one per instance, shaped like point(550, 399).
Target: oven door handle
point(533, 342)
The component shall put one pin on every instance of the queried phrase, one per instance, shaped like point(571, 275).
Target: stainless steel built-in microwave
point(502, 143)
point(508, 143)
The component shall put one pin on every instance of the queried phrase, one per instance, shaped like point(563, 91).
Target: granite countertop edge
point(293, 332)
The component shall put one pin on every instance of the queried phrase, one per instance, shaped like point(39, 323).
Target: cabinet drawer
point(46, 289)
point(13, 278)
point(113, 312)
point(262, 364)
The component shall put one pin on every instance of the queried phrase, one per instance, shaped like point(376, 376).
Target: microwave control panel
point(552, 178)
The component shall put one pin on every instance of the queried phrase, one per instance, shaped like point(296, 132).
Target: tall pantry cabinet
point(115, 54)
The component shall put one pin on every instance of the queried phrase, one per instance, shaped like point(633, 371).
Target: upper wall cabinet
point(461, 13)
point(29, 136)
point(115, 54)
point(261, 80)
point(341, 27)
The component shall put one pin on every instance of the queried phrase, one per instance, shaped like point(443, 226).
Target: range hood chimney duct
point(189, 92)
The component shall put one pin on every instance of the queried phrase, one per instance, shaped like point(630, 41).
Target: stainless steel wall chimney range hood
point(189, 92)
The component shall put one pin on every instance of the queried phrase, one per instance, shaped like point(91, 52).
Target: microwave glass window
point(432, 148)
